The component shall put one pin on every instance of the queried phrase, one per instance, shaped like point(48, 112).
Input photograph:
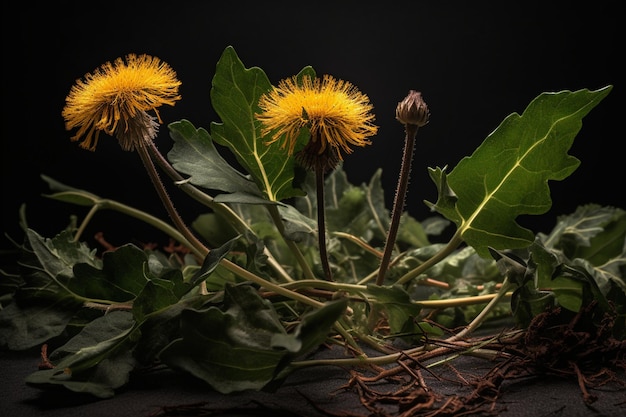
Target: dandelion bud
point(413, 110)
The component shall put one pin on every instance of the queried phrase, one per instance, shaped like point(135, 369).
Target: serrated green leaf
point(123, 275)
point(231, 349)
point(313, 329)
point(592, 232)
point(235, 93)
point(243, 345)
point(508, 174)
point(25, 326)
point(96, 361)
point(592, 238)
point(396, 303)
point(153, 298)
point(46, 306)
point(195, 154)
point(212, 260)
point(446, 198)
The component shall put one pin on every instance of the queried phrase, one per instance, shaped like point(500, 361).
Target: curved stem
point(143, 216)
point(244, 273)
point(452, 245)
point(484, 312)
point(399, 200)
point(275, 215)
point(359, 242)
point(167, 202)
point(83, 225)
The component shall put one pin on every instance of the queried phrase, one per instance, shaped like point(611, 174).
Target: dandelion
point(337, 116)
point(336, 113)
point(115, 99)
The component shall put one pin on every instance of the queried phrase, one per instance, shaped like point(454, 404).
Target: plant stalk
point(399, 200)
point(450, 247)
point(321, 222)
point(306, 269)
point(167, 202)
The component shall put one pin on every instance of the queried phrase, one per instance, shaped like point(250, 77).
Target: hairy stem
point(399, 200)
point(167, 202)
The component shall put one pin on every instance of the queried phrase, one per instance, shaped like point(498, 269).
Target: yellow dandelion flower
point(115, 99)
point(336, 113)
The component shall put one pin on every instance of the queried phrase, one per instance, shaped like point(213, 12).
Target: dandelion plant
point(289, 257)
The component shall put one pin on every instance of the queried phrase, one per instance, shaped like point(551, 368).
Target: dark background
point(475, 63)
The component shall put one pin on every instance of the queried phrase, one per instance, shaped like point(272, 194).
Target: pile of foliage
point(247, 313)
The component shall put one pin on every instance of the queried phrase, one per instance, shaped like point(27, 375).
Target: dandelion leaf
point(96, 361)
point(235, 93)
point(508, 174)
point(44, 305)
point(195, 154)
point(243, 345)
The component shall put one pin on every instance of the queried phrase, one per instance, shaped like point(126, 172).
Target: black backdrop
point(475, 63)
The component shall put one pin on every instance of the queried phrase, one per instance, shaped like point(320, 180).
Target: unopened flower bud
point(413, 110)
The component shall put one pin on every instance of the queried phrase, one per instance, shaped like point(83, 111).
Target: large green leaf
point(97, 360)
point(231, 350)
point(195, 154)
point(508, 174)
point(235, 93)
point(242, 345)
point(121, 278)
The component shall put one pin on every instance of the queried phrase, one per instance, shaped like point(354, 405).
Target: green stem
point(506, 285)
point(83, 225)
point(247, 275)
point(176, 235)
point(140, 215)
point(276, 218)
point(451, 246)
point(362, 289)
point(399, 200)
point(475, 350)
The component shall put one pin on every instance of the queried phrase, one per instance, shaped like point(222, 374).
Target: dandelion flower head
point(336, 113)
point(115, 99)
